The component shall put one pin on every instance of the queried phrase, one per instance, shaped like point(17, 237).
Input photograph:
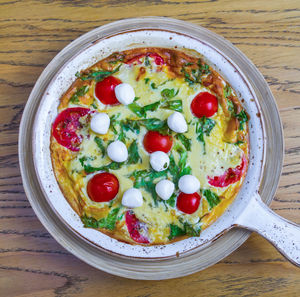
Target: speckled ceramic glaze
point(182, 257)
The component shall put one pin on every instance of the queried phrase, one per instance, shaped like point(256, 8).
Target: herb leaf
point(195, 75)
point(97, 75)
point(114, 122)
point(204, 127)
point(227, 91)
point(183, 168)
point(89, 169)
point(171, 201)
point(145, 179)
point(131, 125)
point(212, 198)
point(151, 107)
point(79, 93)
point(230, 107)
point(100, 144)
point(175, 231)
point(147, 62)
point(154, 124)
point(107, 223)
point(141, 111)
point(137, 109)
point(178, 170)
point(173, 105)
point(184, 140)
point(188, 229)
point(133, 154)
point(153, 86)
point(191, 230)
point(243, 118)
point(169, 93)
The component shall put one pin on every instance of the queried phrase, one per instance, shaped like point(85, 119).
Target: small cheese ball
point(188, 184)
point(132, 198)
point(117, 151)
point(100, 123)
point(159, 161)
point(124, 93)
point(177, 123)
point(165, 189)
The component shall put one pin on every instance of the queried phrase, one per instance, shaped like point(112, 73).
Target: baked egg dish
point(150, 145)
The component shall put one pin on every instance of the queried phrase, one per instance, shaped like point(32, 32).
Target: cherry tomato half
point(204, 104)
point(103, 187)
point(105, 90)
point(188, 203)
point(135, 227)
point(230, 176)
point(154, 141)
point(66, 126)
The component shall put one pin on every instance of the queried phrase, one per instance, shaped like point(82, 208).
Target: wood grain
point(31, 34)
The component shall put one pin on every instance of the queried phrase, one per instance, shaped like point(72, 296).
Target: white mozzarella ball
point(164, 189)
point(117, 151)
point(124, 93)
point(159, 161)
point(177, 123)
point(132, 198)
point(100, 123)
point(188, 184)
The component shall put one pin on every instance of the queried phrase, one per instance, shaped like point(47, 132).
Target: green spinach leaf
point(173, 105)
point(133, 154)
point(137, 109)
point(154, 124)
point(169, 93)
point(79, 93)
point(211, 197)
point(107, 223)
point(151, 107)
point(204, 127)
point(97, 75)
point(243, 118)
point(184, 140)
point(131, 125)
point(145, 179)
point(100, 145)
point(227, 91)
point(89, 169)
point(179, 170)
point(113, 122)
point(188, 229)
point(175, 231)
point(172, 200)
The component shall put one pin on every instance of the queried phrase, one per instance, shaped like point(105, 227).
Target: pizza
point(150, 145)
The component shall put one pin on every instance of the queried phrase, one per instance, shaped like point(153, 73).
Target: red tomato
point(188, 203)
point(230, 176)
point(137, 59)
point(105, 90)
point(66, 126)
point(135, 227)
point(103, 187)
point(157, 58)
point(154, 141)
point(204, 105)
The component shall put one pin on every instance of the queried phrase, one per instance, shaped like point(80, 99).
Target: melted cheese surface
point(217, 157)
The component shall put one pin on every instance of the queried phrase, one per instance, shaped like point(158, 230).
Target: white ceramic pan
point(247, 212)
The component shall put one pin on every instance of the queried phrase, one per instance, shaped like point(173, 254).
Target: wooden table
point(31, 34)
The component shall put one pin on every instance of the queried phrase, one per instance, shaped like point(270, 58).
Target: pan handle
point(283, 234)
